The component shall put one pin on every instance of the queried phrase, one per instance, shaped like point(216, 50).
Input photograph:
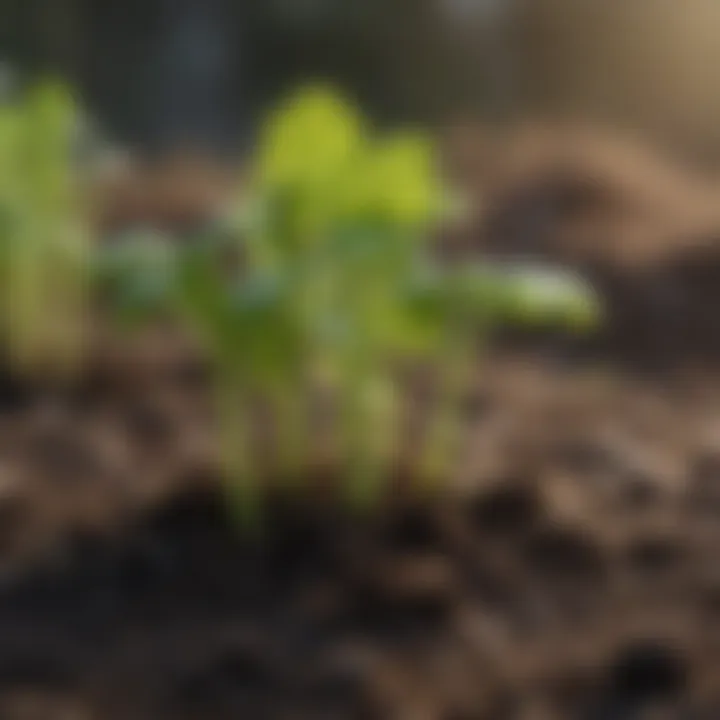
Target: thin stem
point(292, 434)
point(444, 435)
point(370, 424)
point(234, 420)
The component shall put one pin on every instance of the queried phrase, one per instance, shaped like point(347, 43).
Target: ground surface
point(570, 572)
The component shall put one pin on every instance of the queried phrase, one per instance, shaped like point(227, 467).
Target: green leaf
point(392, 181)
point(531, 295)
point(405, 180)
point(308, 141)
point(139, 274)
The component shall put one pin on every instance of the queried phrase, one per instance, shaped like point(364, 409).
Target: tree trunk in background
point(169, 73)
point(192, 83)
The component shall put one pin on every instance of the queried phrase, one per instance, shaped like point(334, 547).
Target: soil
point(568, 571)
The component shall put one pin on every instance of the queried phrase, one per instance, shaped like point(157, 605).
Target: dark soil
point(569, 571)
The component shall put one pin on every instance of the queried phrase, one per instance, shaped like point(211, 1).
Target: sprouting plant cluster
point(44, 233)
point(319, 287)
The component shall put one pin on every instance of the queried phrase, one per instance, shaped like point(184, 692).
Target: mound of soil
point(643, 226)
point(568, 571)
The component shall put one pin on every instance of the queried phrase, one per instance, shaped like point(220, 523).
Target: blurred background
point(162, 72)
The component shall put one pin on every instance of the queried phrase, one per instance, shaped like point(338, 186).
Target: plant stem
point(240, 478)
point(292, 434)
point(370, 425)
point(444, 435)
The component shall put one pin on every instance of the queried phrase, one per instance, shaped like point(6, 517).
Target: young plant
point(357, 211)
point(44, 234)
point(468, 301)
point(325, 280)
point(350, 212)
point(239, 322)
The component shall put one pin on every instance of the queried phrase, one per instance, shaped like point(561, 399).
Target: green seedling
point(239, 322)
point(245, 326)
point(460, 305)
point(351, 212)
point(44, 234)
point(325, 280)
